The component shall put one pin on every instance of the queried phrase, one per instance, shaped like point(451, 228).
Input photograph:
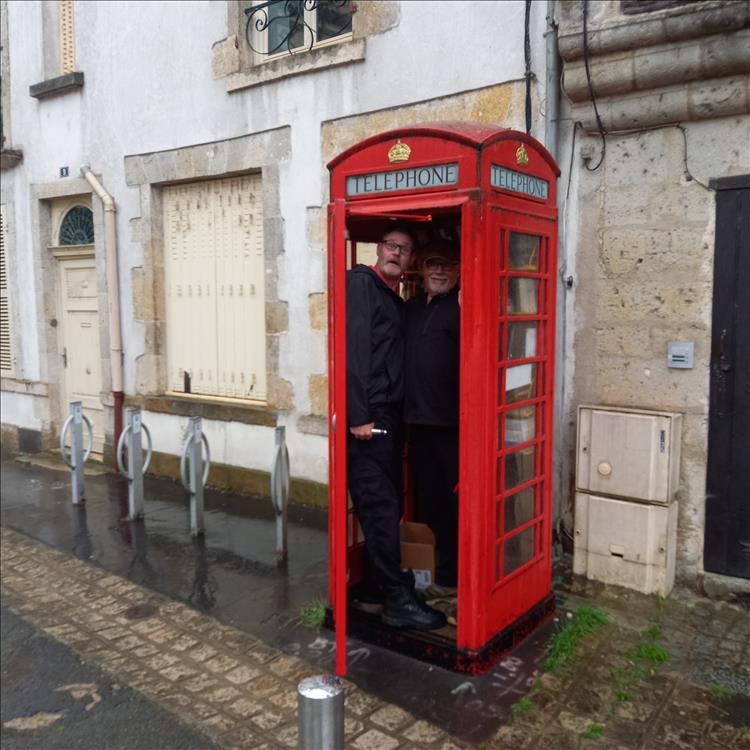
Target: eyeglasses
point(433, 263)
point(393, 246)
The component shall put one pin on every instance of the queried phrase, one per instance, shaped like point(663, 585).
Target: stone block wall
point(644, 276)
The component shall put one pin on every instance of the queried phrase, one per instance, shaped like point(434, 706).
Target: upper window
point(77, 227)
point(281, 27)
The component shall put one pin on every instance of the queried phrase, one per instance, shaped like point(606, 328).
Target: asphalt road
point(50, 700)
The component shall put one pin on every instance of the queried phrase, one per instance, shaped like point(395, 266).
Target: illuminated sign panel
point(517, 182)
point(436, 175)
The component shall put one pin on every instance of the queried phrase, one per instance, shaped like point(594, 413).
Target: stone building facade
point(154, 96)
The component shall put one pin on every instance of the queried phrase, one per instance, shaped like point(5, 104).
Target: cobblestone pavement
point(668, 674)
point(220, 680)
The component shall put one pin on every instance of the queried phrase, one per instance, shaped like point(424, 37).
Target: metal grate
point(77, 227)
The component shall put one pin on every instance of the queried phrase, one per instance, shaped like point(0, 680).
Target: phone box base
point(418, 552)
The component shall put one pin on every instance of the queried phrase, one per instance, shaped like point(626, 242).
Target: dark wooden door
point(727, 542)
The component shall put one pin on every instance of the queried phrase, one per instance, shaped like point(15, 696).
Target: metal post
point(77, 455)
point(320, 707)
point(196, 477)
point(76, 451)
point(135, 459)
point(280, 492)
point(132, 436)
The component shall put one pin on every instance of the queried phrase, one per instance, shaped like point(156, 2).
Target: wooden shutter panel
point(6, 352)
point(67, 36)
point(215, 278)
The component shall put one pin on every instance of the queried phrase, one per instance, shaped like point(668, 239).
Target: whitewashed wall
point(149, 87)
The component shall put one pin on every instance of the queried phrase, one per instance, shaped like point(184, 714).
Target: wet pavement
point(232, 575)
point(49, 698)
point(698, 696)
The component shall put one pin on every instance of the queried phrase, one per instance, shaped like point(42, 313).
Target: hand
point(363, 431)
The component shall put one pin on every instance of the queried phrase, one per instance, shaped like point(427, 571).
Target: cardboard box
point(418, 552)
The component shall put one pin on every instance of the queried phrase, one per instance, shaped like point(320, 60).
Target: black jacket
point(374, 346)
point(432, 360)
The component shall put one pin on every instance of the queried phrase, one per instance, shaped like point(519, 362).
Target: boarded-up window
point(214, 273)
point(6, 349)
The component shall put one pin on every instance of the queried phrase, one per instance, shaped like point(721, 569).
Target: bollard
point(320, 708)
point(198, 472)
point(134, 474)
point(78, 457)
point(280, 492)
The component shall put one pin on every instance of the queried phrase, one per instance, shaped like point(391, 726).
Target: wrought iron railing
point(285, 24)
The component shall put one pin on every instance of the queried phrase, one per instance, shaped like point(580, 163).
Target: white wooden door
point(79, 342)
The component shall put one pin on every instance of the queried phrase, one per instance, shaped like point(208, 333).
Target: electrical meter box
point(628, 453)
point(625, 543)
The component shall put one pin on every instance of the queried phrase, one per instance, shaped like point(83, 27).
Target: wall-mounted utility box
point(628, 453)
point(625, 543)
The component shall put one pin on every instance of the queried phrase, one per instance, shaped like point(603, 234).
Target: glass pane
point(501, 309)
point(77, 228)
point(520, 383)
point(519, 467)
point(520, 425)
point(523, 296)
point(286, 29)
point(519, 549)
point(334, 17)
point(523, 252)
point(519, 508)
point(521, 340)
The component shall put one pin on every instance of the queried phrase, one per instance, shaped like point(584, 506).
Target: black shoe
point(404, 610)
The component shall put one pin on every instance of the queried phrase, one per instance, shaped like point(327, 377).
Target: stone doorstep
point(219, 689)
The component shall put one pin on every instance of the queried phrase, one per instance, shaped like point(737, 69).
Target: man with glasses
point(431, 403)
point(375, 393)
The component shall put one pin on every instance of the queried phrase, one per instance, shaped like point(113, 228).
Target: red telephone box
point(496, 189)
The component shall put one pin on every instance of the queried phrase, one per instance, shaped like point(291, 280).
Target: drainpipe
point(552, 83)
point(113, 294)
point(551, 118)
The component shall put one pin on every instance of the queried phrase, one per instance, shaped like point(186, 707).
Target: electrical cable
point(570, 166)
point(599, 124)
point(527, 59)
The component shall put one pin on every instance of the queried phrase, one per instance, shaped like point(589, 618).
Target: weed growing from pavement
point(652, 633)
point(520, 707)
point(720, 692)
point(623, 696)
point(593, 732)
point(313, 614)
point(586, 620)
point(650, 653)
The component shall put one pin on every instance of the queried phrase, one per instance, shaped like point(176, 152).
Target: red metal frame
point(488, 601)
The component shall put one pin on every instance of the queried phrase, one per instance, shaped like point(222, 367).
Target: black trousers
point(434, 461)
point(375, 480)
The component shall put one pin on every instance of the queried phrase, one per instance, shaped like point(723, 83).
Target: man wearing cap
point(431, 402)
point(375, 393)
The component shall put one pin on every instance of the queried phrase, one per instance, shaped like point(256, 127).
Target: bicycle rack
point(197, 472)
point(280, 492)
point(78, 457)
point(134, 473)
